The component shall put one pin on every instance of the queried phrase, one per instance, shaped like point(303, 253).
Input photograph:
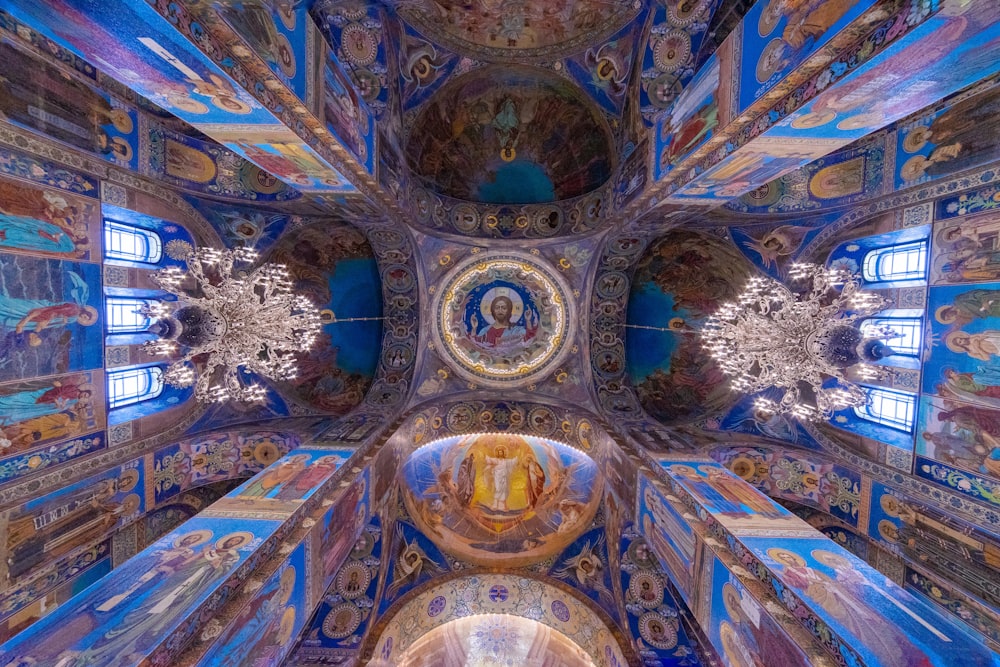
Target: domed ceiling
point(334, 266)
point(515, 28)
point(682, 279)
point(498, 498)
point(502, 319)
point(510, 135)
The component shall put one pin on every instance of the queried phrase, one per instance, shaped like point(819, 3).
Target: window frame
point(114, 234)
point(148, 384)
point(905, 424)
point(872, 269)
point(916, 324)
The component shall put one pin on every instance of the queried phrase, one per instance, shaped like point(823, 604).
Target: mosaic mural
point(510, 136)
point(498, 594)
point(503, 318)
point(335, 266)
point(682, 278)
point(494, 30)
point(501, 498)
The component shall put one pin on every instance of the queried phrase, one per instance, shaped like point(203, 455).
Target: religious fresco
point(847, 176)
point(205, 167)
point(503, 318)
point(682, 278)
point(510, 136)
point(48, 222)
point(44, 172)
point(667, 534)
point(149, 597)
point(262, 631)
point(346, 115)
point(963, 250)
point(214, 456)
point(281, 488)
point(245, 226)
point(501, 498)
point(50, 314)
point(603, 70)
point(337, 534)
point(949, 49)
point(693, 119)
point(745, 418)
point(334, 266)
point(883, 624)
point(423, 66)
point(653, 613)
point(494, 639)
point(481, 28)
point(948, 139)
point(99, 565)
point(797, 476)
point(675, 39)
point(53, 526)
point(39, 97)
point(742, 630)
point(778, 36)
point(585, 565)
point(347, 607)
point(986, 622)
point(495, 594)
point(731, 500)
point(44, 411)
point(278, 32)
point(355, 32)
point(162, 66)
point(413, 560)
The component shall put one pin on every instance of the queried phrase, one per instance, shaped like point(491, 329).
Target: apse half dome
point(511, 135)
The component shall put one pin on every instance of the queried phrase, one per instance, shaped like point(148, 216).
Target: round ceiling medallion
point(502, 319)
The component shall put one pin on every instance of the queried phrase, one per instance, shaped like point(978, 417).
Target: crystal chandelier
point(799, 340)
point(230, 321)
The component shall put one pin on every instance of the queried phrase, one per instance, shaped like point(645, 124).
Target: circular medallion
point(368, 83)
point(640, 554)
point(465, 218)
point(647, 589)
point(353, 580)
point(503, 319)
point(436, 606)
point(560, 610)
point(364, 546)
point(460, 418)
point(686, 12)
point(360, 45)
point(341, 621)
point(772, 59)
point(499, 593)
point(658, 630)
point(663, 90)
point(769, 18)
point(672, 50)
point(916, 139)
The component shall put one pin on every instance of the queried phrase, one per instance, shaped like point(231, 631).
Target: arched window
point(894, 409)
point(132, 244)
point(124, 314)
point(908, 343)
point(134, 385)
point(904, 261)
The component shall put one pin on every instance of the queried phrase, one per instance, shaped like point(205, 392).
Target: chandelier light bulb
point(233, 321)
point(803, 343)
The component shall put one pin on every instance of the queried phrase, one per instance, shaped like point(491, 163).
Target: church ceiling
point(495, 127)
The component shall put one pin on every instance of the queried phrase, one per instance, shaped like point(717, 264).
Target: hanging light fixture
point(231, 321)
point(800, 339)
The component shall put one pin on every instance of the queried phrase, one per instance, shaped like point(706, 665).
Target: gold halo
point(813, 119)
point(128, 480)
point(731, 599)
point(508, 154)
point(202, 535)
point(516, 307)
point(916, 139)
point(831, 559)
point(888, 531)
point(287, 626)
point(242, 534)
point(775, 552)
point(122, 121)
